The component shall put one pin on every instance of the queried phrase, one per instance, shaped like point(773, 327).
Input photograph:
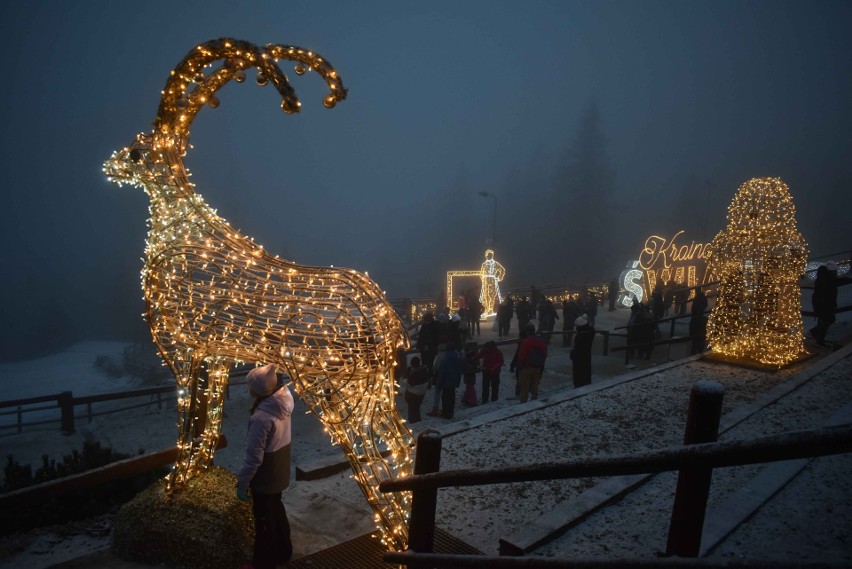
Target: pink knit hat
point(262, 380)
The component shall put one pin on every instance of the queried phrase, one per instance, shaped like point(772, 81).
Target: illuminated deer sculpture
point(215, 298)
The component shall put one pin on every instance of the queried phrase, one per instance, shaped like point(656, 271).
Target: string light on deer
point(758, 259)
point(215, 298)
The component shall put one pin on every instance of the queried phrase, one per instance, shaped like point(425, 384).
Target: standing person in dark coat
point(824, 300)
point(450, 327)
point(448, 375)
point(524, 312)
point(504, 317)
point(535, 297)
point(658, 309)
point(427, 340)
point(475, 309)
point(581, 355)
point(470, 367)
point(547, 320)
point(266, 467)
point(681, 298)
point(416, 386)
point(582, 302)
point(646, 327)
point(513, 367)
point(698, 323)
point(613, 294)
point(570, 311)
point(632, 329)
point(591, 309)
point(668, 297)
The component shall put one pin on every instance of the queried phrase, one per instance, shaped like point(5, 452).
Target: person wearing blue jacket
point(448, 373)
point(266, 468)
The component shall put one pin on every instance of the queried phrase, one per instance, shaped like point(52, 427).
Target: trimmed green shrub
point(201, 525)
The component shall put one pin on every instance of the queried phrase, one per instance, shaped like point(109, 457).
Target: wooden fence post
point(65, 400)
point(421, 526)
point(693, 484)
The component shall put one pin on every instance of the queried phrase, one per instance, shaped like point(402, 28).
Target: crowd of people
point(450, 357)
point(643, 325)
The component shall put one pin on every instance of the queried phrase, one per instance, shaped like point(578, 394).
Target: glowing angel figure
point(758, 258)
point(216, 298)
point(491, 274)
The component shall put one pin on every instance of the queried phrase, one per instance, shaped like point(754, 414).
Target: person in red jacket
point(531, 356)
point(492, 363)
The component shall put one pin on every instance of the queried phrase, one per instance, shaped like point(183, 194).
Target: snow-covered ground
point(72, 369)
point(636, 415)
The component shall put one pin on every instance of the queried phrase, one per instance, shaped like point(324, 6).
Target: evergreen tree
point(582, 198)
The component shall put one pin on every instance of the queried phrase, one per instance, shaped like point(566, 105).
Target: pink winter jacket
point(267, 463)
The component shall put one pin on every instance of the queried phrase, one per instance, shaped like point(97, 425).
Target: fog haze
point(594, 124)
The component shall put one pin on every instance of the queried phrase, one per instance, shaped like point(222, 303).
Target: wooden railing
point(694, 461)
point(66, 403)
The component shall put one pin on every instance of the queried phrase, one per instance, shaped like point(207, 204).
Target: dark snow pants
point(272, 544)
point(490, 382)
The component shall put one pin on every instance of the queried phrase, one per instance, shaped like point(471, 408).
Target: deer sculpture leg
point(200, 407)
point(376, 443)
point(217, 381)
point(187, 371)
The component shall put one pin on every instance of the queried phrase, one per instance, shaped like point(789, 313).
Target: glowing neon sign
point(664, 260)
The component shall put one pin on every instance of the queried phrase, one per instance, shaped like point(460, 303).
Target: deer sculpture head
point(215, 298)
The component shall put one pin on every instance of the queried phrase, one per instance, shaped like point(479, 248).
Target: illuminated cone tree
point(758, 259)
point(215, 298)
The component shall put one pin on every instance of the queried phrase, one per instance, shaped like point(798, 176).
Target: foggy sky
point(671, 104)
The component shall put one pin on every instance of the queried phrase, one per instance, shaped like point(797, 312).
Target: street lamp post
point(494, 221)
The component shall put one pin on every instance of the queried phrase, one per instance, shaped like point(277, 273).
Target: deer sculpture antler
point(215, 298)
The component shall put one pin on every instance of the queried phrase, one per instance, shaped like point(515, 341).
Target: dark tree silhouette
point(582, 202)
